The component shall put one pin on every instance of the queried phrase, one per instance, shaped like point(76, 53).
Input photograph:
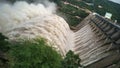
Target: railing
point(111, 30)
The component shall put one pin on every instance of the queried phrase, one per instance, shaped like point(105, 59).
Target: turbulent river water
point(23, 20)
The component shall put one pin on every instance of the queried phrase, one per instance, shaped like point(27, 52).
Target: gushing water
point(23, 20)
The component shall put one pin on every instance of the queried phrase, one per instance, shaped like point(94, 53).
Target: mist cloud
point(22, 11)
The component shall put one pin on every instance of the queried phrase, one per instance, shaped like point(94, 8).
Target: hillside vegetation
point(98, 6)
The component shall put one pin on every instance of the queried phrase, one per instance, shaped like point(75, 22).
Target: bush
point(3, 43)
point(71, 60)
point(70, 14)
point(3, 49)
point(72, 20)
point(33, 54)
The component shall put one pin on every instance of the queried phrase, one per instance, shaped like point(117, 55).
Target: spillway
point(94, 46)
point(97, 42)
point(53, 28)
point(25, 21)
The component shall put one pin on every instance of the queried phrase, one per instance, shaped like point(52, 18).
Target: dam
point(96, 40)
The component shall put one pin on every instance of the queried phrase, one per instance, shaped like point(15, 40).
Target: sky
point(116, 1)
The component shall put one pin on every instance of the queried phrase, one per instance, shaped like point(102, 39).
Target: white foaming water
point(21, 12)
point(23, 20)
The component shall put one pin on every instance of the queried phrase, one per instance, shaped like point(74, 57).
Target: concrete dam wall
point(97, 41)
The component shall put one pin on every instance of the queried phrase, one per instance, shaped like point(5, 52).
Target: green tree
point(3, 49)
point(33, 54)
point(3, 43)
point(71, 60)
